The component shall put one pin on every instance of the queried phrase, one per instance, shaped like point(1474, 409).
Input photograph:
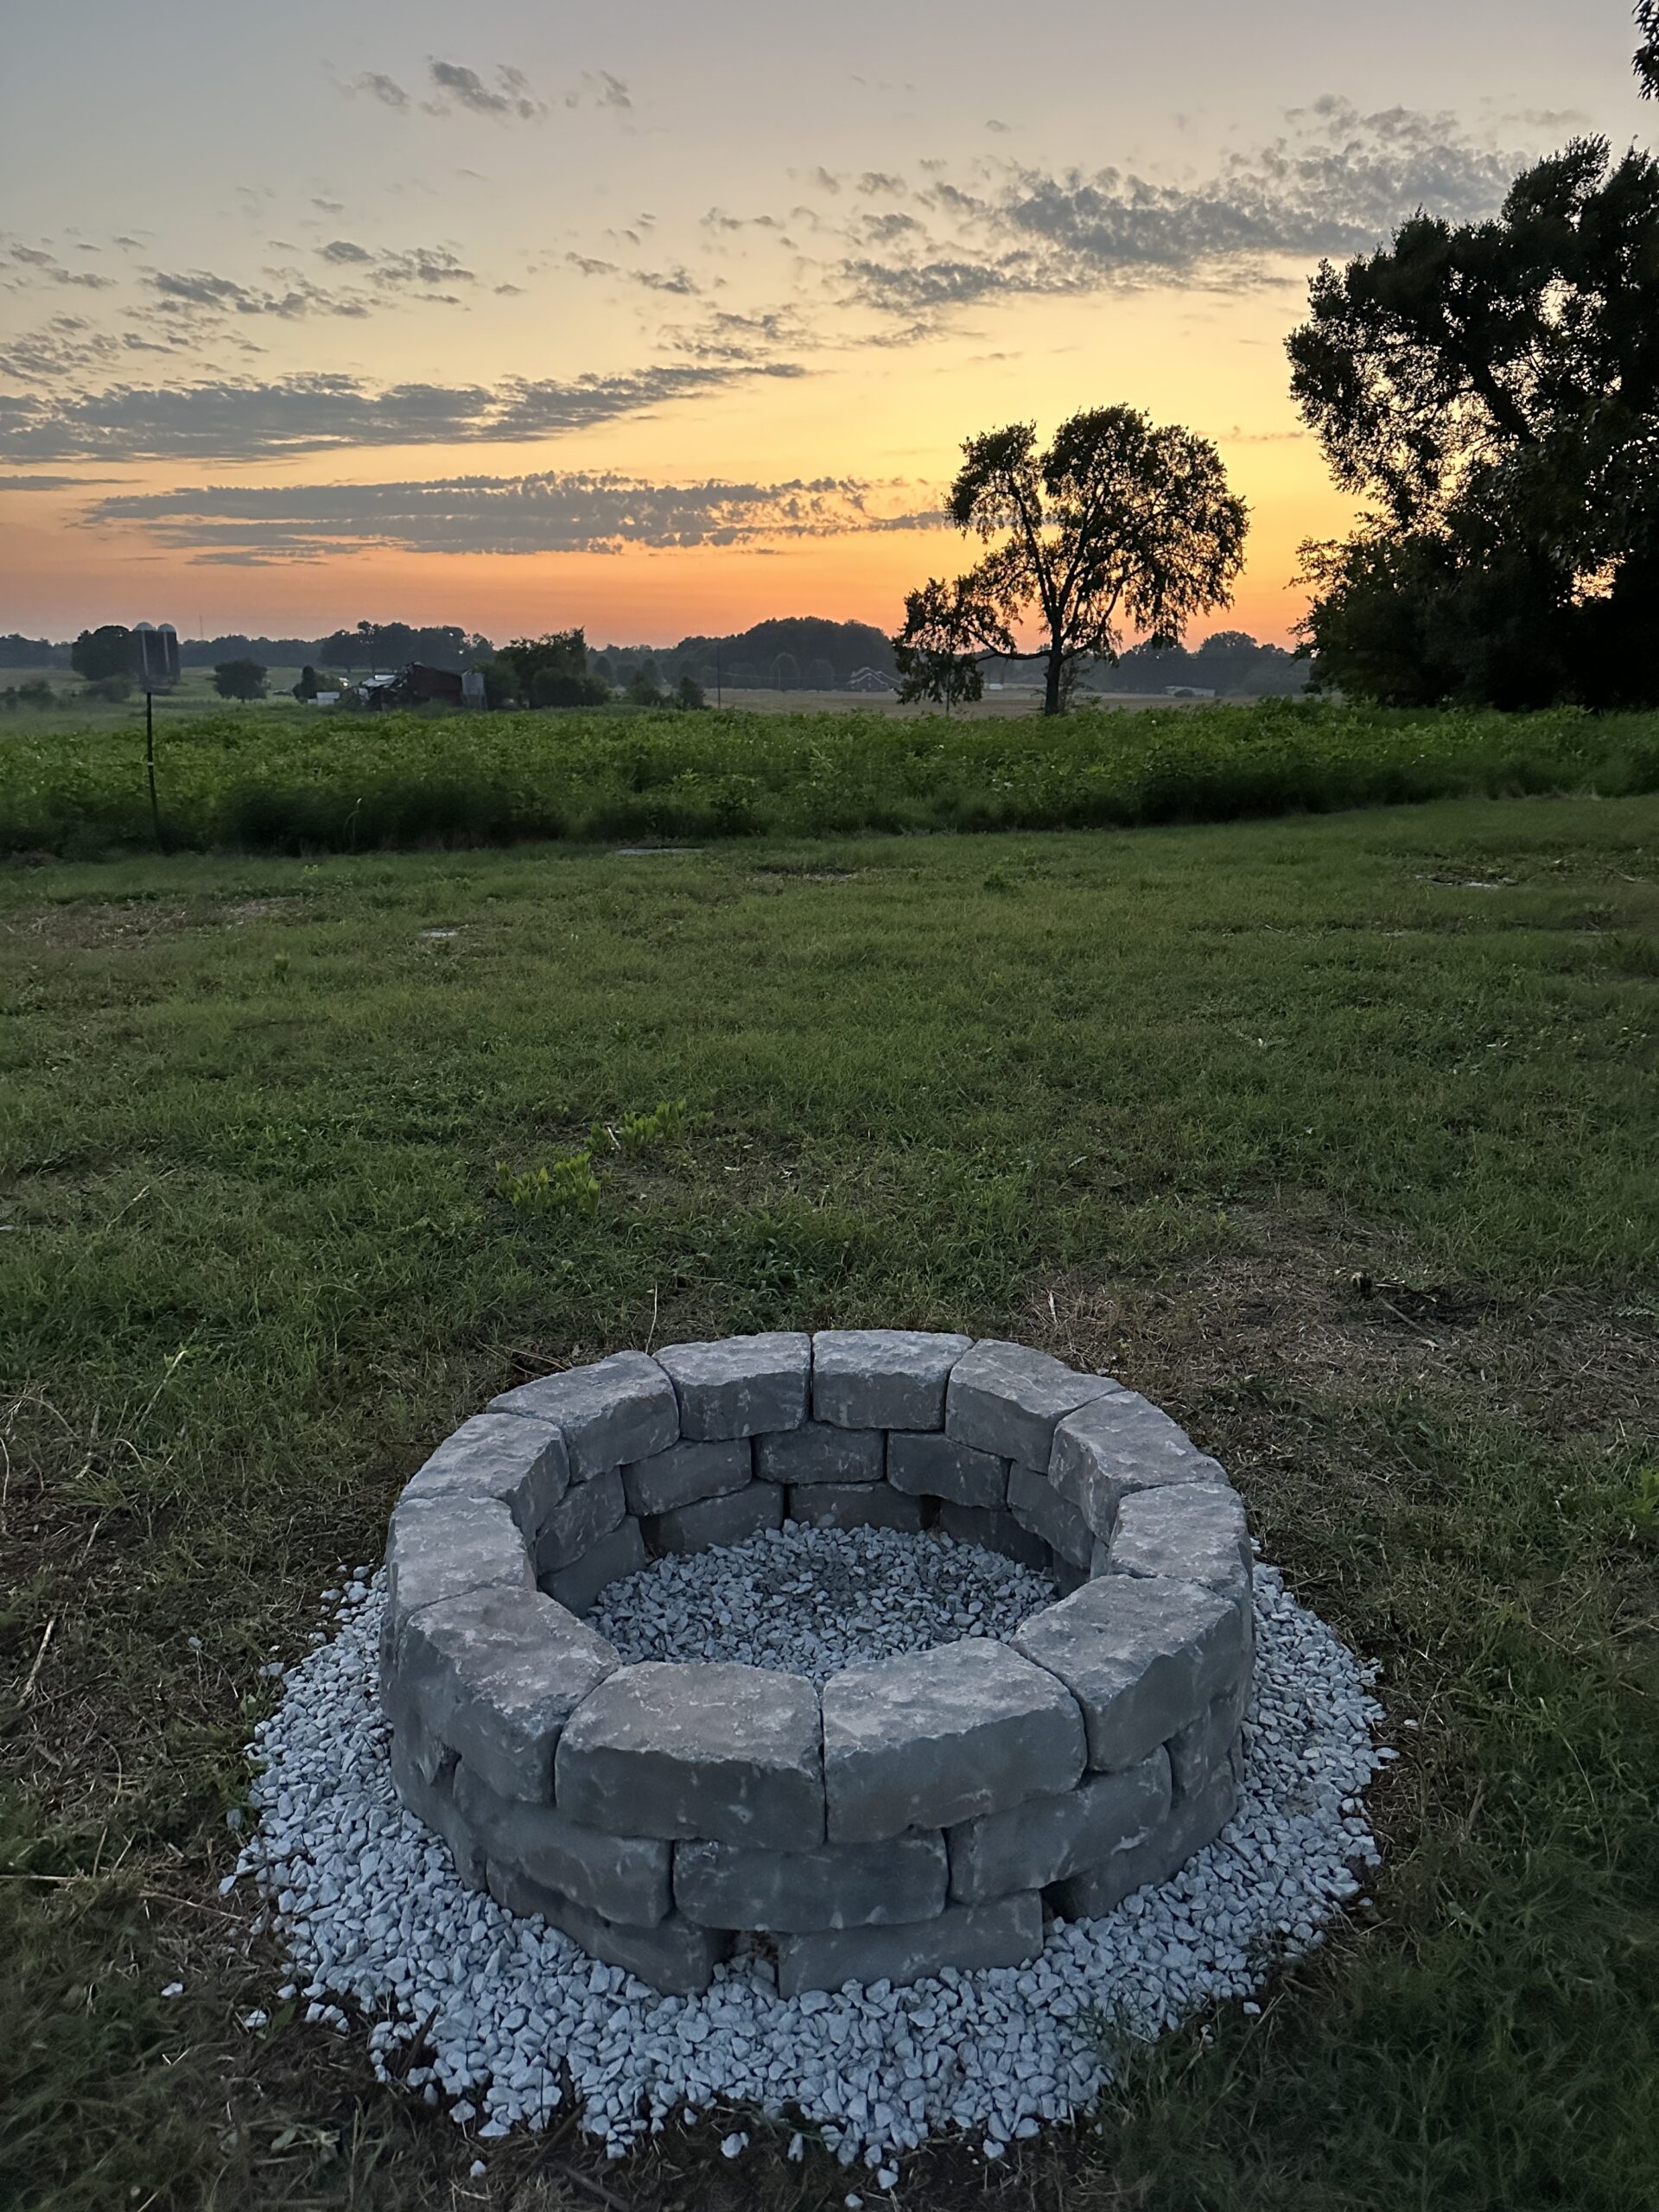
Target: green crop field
point(1335, 1135)
point(280, 779)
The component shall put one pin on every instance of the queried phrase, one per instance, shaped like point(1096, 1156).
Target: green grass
point(1154, 1102)
point(261, 779)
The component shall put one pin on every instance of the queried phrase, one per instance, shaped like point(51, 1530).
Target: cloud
point(40, 267)
point(52, 483)
point(67, 345)
point(200, 292)
point(553, 511)
point(1335, 183)
point(511, 98)
point(245, 419)
point(384, 89)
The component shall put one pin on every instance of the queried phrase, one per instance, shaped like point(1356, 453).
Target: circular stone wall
point(913, 1815)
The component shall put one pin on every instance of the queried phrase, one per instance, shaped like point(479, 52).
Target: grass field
point(261, 779)
point(1153, 1102)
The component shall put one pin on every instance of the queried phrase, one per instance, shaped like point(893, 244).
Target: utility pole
point(158, 670)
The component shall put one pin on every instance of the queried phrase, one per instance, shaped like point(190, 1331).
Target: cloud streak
point(244, 418)
point(552, 511)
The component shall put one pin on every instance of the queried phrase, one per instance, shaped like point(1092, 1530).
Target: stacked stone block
point(921, 1813)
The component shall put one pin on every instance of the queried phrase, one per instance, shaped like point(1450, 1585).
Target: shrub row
point(238, 781)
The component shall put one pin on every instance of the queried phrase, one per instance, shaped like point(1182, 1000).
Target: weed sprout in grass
point(566, 1184)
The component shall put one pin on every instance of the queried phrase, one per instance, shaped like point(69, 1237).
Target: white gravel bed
point(811, 1601)
point(375, 1920)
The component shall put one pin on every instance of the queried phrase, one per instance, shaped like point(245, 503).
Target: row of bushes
point(402, 780)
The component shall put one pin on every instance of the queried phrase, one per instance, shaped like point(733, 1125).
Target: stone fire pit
point(914, 1814)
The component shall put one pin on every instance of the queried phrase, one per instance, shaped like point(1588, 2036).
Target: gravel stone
point(491, 2013)
point(938, 1466)
point(618, 1409)
point(1118, 1444)
point(943, 1736)
point(610, 1559)
point(1005, 1398)
point(496, 1675)
point(577, 1523)
point(686, 1473)
point(1044, 1840)
point(798, 1892)
point(1034, 1505)
point(883, 1378)
point(820, 1454)
point(716, 1521)
point(1143, 1657)
point(522, 1464)
point(963, 1937)
point(731, 1754)
point(739, 1385)
point(854, 1505)
point(811, 1601)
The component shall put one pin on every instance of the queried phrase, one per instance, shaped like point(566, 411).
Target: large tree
point(1116, 521)
point(1113, 522)
point(1493, 390)
point(1647, 55)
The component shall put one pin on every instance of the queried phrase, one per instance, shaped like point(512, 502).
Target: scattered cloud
point(386, 90)
point(35, 265)
point(552, 511)
point(1335, 183)
point(247, 419)
point(510, 100)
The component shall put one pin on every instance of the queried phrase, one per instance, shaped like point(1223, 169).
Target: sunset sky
point(666, 319)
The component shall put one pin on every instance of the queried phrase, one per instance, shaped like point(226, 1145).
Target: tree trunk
point(1053, 681)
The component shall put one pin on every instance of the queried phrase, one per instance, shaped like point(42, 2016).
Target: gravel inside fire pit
point(467, 2002)
point(811, 1601)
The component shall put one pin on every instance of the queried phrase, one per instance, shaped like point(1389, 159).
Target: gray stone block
point(729, 1753)
point(1198, 1752)
point(1065, 1576)
point(622, 1552)
point(820, 1454)
point(940, 1736)
point(1195, 1530)
point(938, 1466)
point(441, 1547)
point(1100, 1889)
point(617, 1410)
point(1006, 1399)
point(883, 1378)
point(431, 1800)
point(994, 1532)
point(1143, 1658)
point(731, 1519)
point(1052, 1837)
point(739, 1385)
point(686, 1473)
point(673, 1957)
point(854, 1505)
point(796, 1892)
point(1118, 1444)
point(591, 1510)
point(1033, 1504)
point(497, 1675)
point(966, 1936)
point(522, 1465)
point(621, 1877)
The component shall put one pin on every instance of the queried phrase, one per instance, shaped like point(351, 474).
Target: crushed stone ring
point(914, 1815)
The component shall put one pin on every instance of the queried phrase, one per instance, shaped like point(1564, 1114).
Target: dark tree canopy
point(1647, 55)
point(240, 679)
point(1493, 390)
point(98, 654)
point(553, 671)
point(1116, 521)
